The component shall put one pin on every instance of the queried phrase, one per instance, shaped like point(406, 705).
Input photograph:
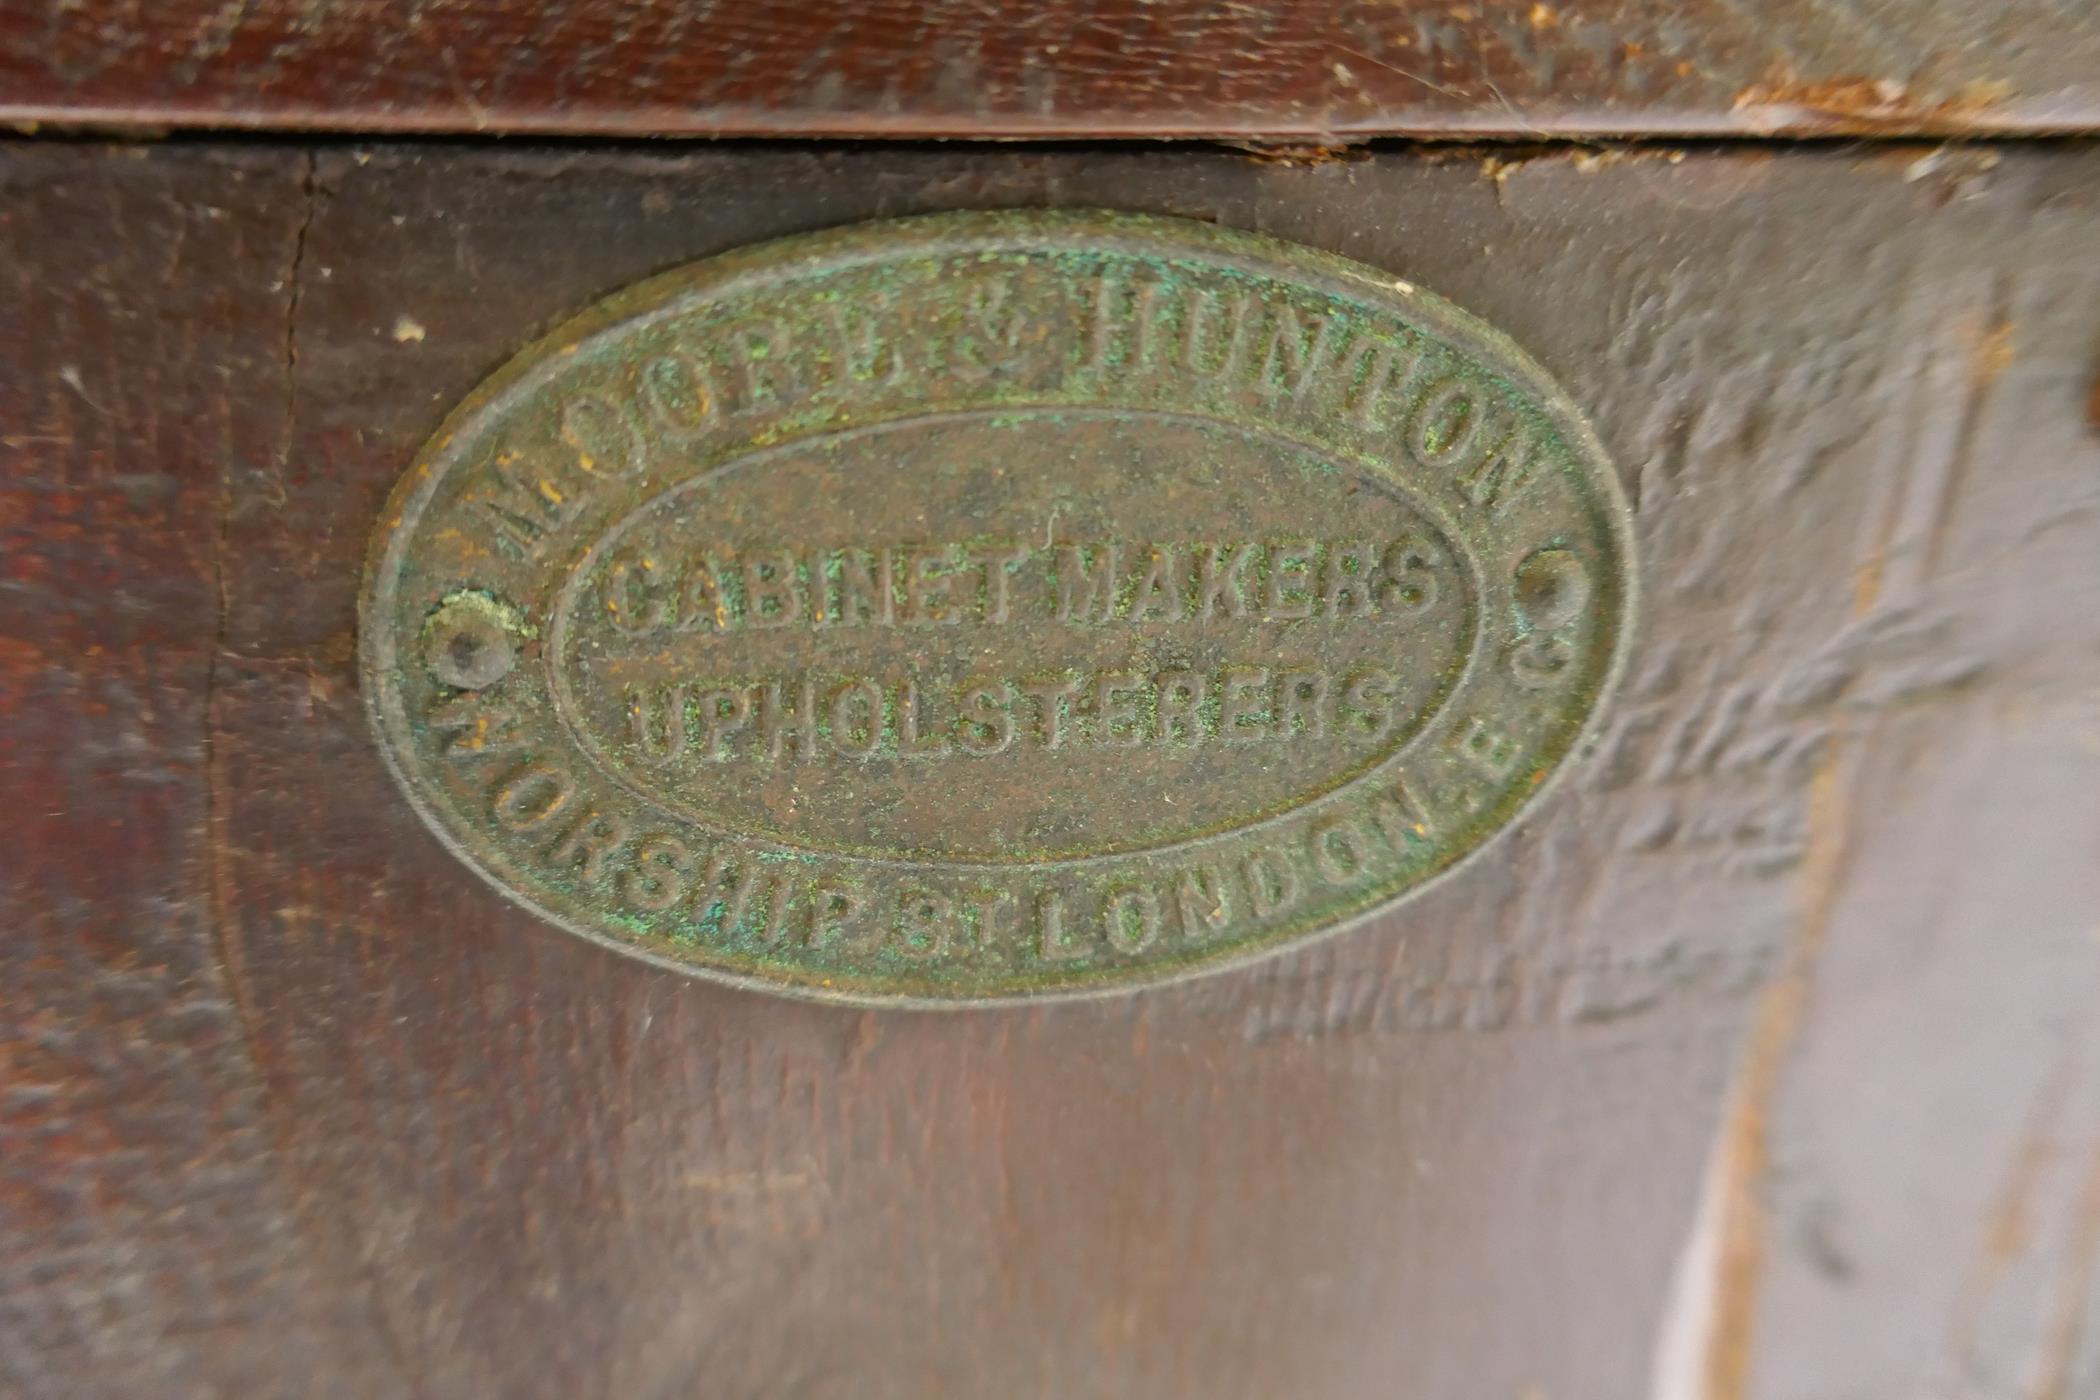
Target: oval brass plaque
point(991, 606)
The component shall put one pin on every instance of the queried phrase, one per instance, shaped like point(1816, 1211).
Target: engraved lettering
point(1290, 570)
point(657, 879)
point(982, 925)
point(1489, 749)
point(1214, 344)
point(1178, 710)
point(525, 509)
point(1410, 577)
point(659, 727)
point(1133, 920)
point(833, 906)
point(866, 358)
point(723, 713)
point(1399, 817)
point(606, 441)
point(1443, 424)
point(998, 563)
point(779, 898)
point(532, 796)
point(705, 604)
point(925, 925)
point(857, 715)
point(770, 719)
point(631, 601)
point(989, 341)
point(1272, 882)
point(1291, 363)
point(646, 593)
point(1347, 588)
point(928, 574)
point(1222, 579)
point(867, 588)
point(987, 719)
point(1116, 710)
point(915, 736)
point(589, 843)
point(785, 719)
point(1368, 701)
point(1245, 711)
point(727, 885)
point(1302, 703)
point(772, 594)
point(1338, 851)
point(1103, 324)
point(1502, 473)
point(1386, 370)
point(679, 395)
point(1204, 903)
point(1086, 583)
point(1052, 943)
point(1051, 697)
point(1158, 592)
point(760, 349)
point(472, 729)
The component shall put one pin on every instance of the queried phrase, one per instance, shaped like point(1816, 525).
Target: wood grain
point(1301, 71)
point(147, 1243)
point(1758, 1063)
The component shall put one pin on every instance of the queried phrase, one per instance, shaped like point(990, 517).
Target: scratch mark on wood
point(2059, 1364)
point(1903, 517)
point(1746, 1154)
point(2009, 1228)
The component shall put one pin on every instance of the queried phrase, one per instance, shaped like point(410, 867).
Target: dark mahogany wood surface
point(1761, 1062)
point(1317, 71)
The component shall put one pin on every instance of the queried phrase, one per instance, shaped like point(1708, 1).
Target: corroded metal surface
point(993, 605)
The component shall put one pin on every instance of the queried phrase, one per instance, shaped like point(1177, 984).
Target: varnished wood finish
point(1758, 1063)
point(1302, 71)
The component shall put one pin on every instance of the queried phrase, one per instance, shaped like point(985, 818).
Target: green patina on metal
point(994, 606)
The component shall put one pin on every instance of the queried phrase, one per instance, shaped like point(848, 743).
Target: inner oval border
point(559, 621)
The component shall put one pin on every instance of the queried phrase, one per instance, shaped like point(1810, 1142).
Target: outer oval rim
point(982, 229)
